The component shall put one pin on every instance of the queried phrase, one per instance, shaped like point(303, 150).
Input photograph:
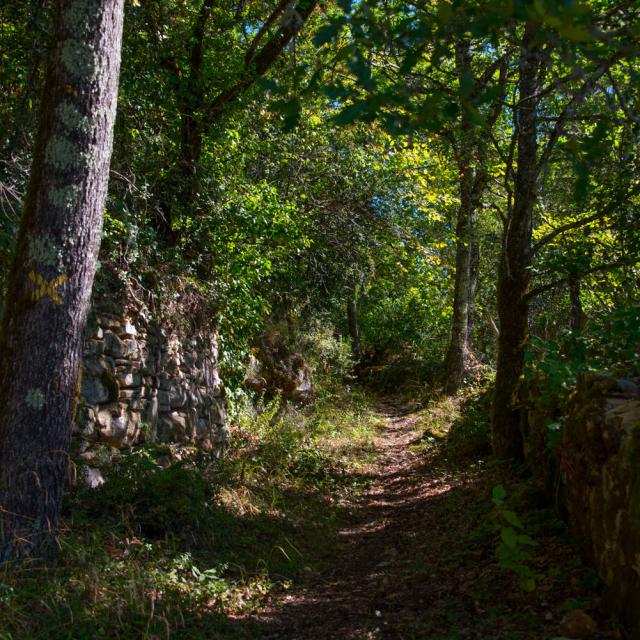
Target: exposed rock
point(128, 329)
point(132, 347)
point(178, 397)
point(99, 333)
point(128, 379)
point(578, 624)
point(93, 347)
point(172, 427)
point(274, 370)
point(94, 391)
point(91, 476)
point(114, 346)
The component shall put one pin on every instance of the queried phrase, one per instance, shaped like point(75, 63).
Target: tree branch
point(621, 99)
point(575, 101)
point(597, 269)
point(290, 24)
point(277, 12)
point(483, 80)
point(576, 224)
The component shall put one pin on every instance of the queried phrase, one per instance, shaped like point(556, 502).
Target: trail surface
point(417, 561)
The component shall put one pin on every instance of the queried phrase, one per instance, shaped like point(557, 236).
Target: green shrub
point(175, 500)
point(611, 343)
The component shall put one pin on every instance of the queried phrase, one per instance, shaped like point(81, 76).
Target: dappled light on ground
point(417, 558)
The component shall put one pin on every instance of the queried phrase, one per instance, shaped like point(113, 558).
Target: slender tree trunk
point(458, 351)
point(474, 273)
point(515, 261)
point(200, 117)
point(471, 156)
point(52, 274)
point(577, 313)
point(180, 197)
point(354, 331)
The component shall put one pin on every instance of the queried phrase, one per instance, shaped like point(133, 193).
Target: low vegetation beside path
point(178, 545)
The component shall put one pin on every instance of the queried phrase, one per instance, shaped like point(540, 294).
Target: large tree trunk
point(52, 274)
point(515, 261)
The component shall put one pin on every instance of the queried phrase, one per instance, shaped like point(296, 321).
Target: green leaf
point(290, 109)
point(269, 85)
point(509, 537)
point(574, 32)
point(524, 539)
point(499, 494)
point(512, 519)
point(328, 33)
point(362, 72)
point(360, 110)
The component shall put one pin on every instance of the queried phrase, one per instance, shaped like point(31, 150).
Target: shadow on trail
point(416, 561)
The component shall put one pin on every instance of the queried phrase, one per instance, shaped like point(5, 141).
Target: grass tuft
point(176, 543)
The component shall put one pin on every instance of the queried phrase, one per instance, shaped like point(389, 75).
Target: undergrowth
point(456, 439)
point(458, 426)
point(177, 544)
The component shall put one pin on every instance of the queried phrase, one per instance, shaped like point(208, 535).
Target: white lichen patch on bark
point(62, 153)
point(71, 118)
point(45, 250)
point(64, 197)
point(35, 398)
point(78, 15)
point(79, 59)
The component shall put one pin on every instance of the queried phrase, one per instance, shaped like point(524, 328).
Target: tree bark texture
point(515, 262)
point(354, 332)
point(578, 318)
point(473, 177)
point(474, 274)
point(458, 351)
point(52, 273)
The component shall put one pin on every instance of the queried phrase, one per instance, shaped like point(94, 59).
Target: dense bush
point(610, 343)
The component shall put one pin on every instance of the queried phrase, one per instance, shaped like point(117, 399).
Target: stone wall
point(597, 466)
point(142, 382)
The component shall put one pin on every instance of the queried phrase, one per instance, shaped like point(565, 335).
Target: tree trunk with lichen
point(52, 274)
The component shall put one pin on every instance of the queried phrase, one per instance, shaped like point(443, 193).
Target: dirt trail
point(410, 564)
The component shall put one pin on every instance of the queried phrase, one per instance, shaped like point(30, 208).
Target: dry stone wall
point(597, 472)
point(142, 382)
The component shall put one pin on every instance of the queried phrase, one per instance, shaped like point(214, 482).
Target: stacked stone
point(595, 467)
point(142, 383)
point(599, 464)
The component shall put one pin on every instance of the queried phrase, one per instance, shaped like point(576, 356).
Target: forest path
point(416, 560)
point(392, 561)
